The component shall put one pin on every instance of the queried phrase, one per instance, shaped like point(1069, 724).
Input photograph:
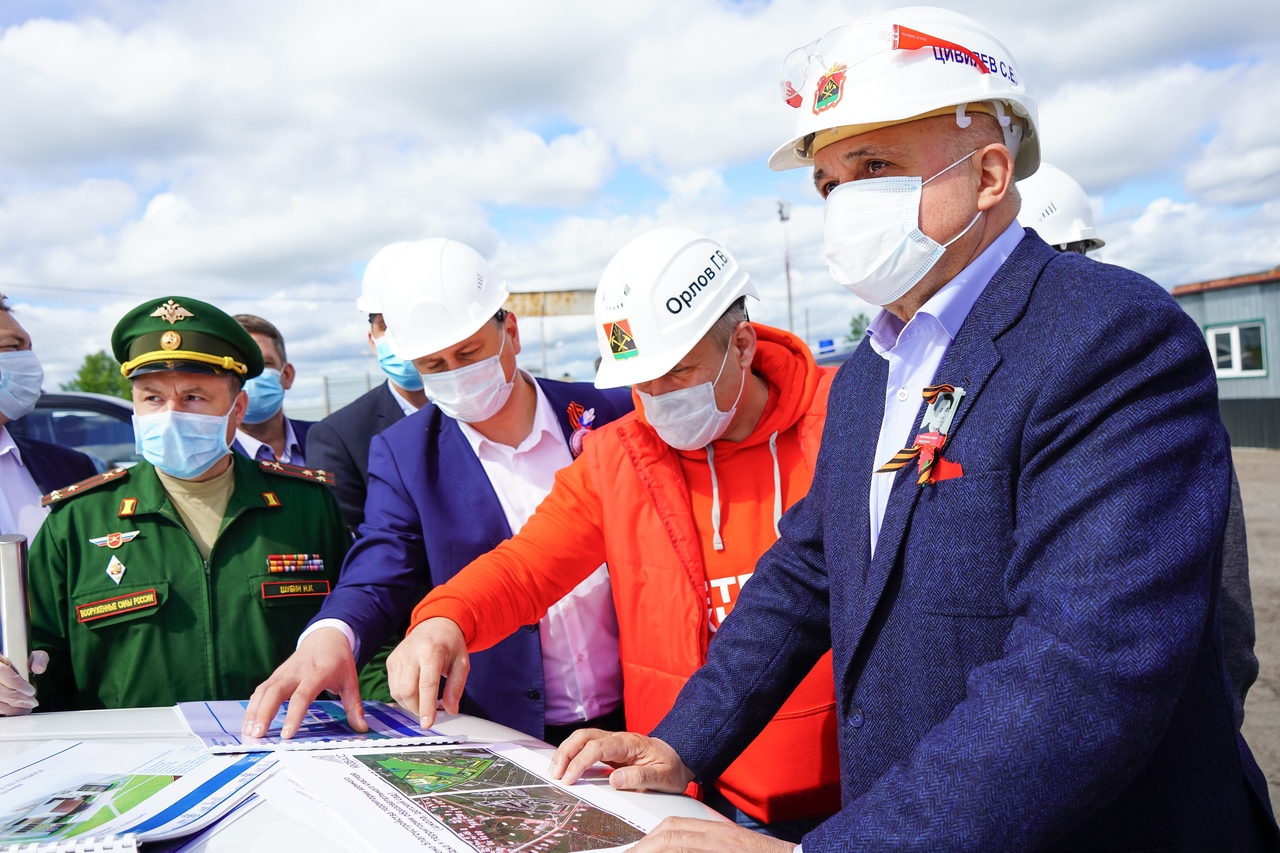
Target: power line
point(13, 285)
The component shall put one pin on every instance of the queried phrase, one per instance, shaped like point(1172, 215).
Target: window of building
point(1238, 350)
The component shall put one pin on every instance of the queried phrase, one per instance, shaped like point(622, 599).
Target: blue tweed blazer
point(1033, 659)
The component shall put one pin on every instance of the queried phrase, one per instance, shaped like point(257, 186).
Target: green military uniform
point(174, 628)
point(121, 597)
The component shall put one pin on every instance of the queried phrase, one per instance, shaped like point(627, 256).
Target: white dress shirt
point(405, 406)
point(580, 666)
point(260, 450)
point(20, 510)
point(914, 351)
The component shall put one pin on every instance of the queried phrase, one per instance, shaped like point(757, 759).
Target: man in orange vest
point(680, 499)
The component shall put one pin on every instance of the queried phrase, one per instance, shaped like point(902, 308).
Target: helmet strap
point(1011, 129)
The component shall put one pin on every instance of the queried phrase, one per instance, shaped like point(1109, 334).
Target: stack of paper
point(325, 726)
point(109, 792)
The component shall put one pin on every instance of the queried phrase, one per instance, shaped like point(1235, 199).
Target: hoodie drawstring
point(777, 484)
point(716, 541)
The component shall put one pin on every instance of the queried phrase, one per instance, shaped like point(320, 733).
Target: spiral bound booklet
point(86, 796)
point(325, 726)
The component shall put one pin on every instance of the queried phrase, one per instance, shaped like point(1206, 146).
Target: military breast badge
point(115, 569)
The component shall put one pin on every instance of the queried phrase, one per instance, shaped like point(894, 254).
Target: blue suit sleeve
point(385, 573)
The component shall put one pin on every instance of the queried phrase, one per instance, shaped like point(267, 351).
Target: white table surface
point(266, 828)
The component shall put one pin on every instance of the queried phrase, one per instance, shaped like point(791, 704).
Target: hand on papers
point(433, 649)
point(648, 764)
point(322, 662)
point(17, 695)
point(689, 835)
point(641, 763)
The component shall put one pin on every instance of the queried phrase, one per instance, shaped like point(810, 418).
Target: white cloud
point(258, 153)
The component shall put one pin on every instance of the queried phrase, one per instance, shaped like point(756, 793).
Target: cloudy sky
point(256, 154)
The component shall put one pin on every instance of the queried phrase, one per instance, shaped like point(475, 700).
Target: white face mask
point(689, 419)
point(473, 393)
point(20, 379)
point(874, 245)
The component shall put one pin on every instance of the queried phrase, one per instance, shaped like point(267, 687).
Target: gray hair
point(722, 332)
point(984, 130)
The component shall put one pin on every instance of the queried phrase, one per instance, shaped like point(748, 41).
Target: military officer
point(190, 575)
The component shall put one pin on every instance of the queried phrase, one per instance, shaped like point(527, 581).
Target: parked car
point(97, 425)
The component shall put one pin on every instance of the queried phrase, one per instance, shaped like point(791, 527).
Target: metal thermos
point(13, 601)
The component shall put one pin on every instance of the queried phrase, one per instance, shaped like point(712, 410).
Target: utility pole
point(784, 214)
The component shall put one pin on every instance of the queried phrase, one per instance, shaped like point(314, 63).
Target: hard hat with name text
point(436, 293)
point(370, 299)
point(899, 66)
point(659, 296)
point(1058, 209)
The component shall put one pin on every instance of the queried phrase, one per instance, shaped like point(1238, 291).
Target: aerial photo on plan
point(496, 806)
point(543, 819)
point(451, 770)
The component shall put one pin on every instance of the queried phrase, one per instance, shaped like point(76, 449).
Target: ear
point(238, 408)
point(373, 344)
point(512, 330)
point(744, 343)
point(286, 377)
point(995, 175)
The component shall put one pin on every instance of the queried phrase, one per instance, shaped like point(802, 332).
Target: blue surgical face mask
point(266, 396)
point(400, 370)
point(20, 378)
point(182, 444)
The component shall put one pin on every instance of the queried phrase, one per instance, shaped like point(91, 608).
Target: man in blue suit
point(340, 443)
point(446, 485)
point(1018, 574)
point(267, 434)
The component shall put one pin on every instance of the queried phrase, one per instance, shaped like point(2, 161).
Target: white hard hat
point(899, 66)
point(1057, 207)
point(657, 298)
point(437, 293)
point(370, 299)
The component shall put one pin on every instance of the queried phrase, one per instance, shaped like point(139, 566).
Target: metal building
point(1240, 318)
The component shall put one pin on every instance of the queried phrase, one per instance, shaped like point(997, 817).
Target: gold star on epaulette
point(309, 474)
point(83, 486)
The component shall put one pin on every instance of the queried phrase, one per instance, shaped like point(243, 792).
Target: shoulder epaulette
point(83, 486)
point(315, 475)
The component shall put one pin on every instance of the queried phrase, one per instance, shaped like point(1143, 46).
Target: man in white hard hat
point(680, 500)
point(340, 442)
point(1016, 574)
point(1056, 206)
point(449, 483)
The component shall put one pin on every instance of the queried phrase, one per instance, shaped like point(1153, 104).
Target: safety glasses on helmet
point(861, 40)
